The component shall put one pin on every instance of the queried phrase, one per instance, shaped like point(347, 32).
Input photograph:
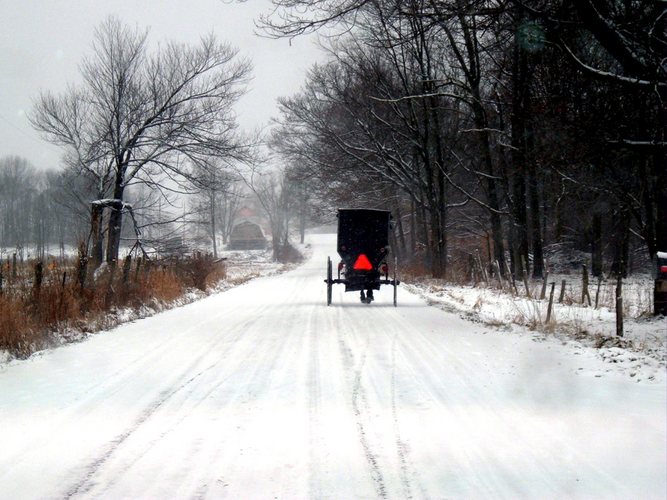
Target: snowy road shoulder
point(640, 355)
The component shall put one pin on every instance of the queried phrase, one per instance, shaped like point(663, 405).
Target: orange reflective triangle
point(362, 263)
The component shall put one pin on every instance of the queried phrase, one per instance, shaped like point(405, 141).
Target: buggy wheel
point(329, 280)
point(395, 282)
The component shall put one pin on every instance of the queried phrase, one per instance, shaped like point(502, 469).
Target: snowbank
point(641, 353)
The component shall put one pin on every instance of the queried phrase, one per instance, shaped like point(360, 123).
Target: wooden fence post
point(597, 292)
point(561, 297)
point(551, 301)
point(511, 278)
point(137, 269)
point(524, 274)
point(110, 291)
point(82, 268)
point(496, 267)
point(125, 279)
point(62, 293)
point(37, 283)
point(147, 268)
point(471, 267)
point(482, 269)
point(543, 293)
point(126, 268)
point(584, 287)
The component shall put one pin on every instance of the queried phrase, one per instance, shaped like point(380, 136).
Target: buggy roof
point(362, 210)
point(362, 230)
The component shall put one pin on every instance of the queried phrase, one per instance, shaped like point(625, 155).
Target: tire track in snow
point(361, 411)
point(257, 375)
point(189, 408)
point(428, 379)
point(401, 446)
point(406, 473)
point(114, 383)
point(85, 484)
point(314, 406)
point(267, 377)
point(476, 396)
point(259, 378)
point(360, 414)
point(463, 390)
point(262, 379)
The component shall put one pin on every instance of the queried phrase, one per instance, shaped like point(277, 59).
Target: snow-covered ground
point(262, 391)
point(247, 264)
point(641, 353)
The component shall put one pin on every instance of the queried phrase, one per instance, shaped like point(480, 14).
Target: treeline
point(508, 127)
point(38, 213)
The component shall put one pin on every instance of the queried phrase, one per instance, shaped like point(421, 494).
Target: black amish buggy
point(363, 246)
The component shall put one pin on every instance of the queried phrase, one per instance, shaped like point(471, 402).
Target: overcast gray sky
point(42, 43)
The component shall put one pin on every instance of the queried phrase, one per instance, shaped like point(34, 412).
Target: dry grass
point(15, 326)
point(34, 317)
point(413, 270)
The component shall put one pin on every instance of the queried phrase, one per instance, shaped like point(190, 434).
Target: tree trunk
point(519, 98)
point(491, 183)
point(660, 190)
point(660, 176)
point(424, 236)
point(212, 222)
point(400, 235)
point(440, 253)
point(619, 265)
point(496, 225)
point(438, 262)
point(619, 305)
point(596, 246)
point(519, 236)
point(97, 234)
point(303, 212)
point(115, 224)
point(536, 228)
point(413, 227)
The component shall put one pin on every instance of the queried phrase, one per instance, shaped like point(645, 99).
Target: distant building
point(247, 235)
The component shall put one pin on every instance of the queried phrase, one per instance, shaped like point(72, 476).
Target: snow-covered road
point(265, 392)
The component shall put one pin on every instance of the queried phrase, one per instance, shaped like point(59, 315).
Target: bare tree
point(297, 17)
point(271, 190)
point(227, 208)
point(217, 200)
point(145, 116)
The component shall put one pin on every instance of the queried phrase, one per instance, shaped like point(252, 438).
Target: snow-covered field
point(262, 391)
